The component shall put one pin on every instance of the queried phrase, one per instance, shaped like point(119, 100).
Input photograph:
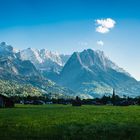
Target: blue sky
point(69, 25)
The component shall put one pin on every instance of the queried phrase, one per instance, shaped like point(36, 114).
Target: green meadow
point(64, 122)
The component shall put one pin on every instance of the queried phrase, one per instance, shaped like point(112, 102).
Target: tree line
point(105, 100)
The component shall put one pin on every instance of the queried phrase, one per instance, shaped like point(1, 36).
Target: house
point(5, 102)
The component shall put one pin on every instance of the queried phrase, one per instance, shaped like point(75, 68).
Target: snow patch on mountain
point(45, 60)
point(31, 54)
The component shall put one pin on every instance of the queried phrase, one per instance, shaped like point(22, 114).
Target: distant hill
point(13, 88)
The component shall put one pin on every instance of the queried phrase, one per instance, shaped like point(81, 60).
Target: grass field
point(66, 122)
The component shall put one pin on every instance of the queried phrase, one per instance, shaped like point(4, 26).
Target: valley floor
point(64, 122)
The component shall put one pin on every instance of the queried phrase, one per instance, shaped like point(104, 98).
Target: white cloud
point(102, 29)
point(100, 43)
point(104, 25)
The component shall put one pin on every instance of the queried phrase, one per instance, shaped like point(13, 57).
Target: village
point(113, 100)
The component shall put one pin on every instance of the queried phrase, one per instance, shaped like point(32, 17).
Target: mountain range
point(88, 73)
point(14, 69)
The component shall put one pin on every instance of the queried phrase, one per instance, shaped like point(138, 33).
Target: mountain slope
point(90, 72)
point(11, 64)
point(24, 72)
point(10, 89)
